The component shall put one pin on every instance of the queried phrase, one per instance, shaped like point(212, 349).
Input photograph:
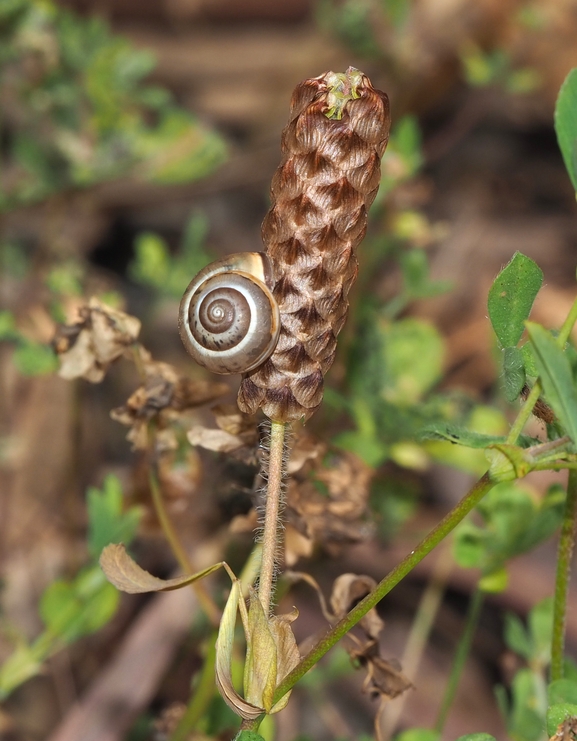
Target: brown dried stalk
point(328, 177)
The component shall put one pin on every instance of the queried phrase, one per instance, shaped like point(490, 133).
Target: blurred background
point(137, 143)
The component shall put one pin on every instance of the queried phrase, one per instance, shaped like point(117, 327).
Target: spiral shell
point(229, 320)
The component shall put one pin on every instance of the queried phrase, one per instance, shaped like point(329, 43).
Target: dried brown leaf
point(294, 576)
point(100, 336)
point(122, 571)
point(306, 447)
point(230, 419)
point(288, 655)
point(327, 497)
point(348, 590)
point(384, 676)
point(164, 396)
point(235, 431)
point(211, 439)
point(296, 545)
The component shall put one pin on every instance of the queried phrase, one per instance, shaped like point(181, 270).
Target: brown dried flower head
point(328, 177)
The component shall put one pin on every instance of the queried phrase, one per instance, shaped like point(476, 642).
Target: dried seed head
point(328, 177)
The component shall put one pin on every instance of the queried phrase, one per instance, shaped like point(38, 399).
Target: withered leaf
point(212, 439)
point(294, 576)
point(163, 396)
point(296, 545)
point(384, 676)
point(88, 347)
point(288, 655)
point(122, 571)
point(348, 589)
point(230, 419)
point(235, 430)
point(224, 649)
point(306, 447)
point(327, 498)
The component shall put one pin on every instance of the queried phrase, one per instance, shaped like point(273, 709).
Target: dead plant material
point(327, 498)
point(163, 397)
point(235, 431)
point(541, 410)
point(87, 347)
point(384, 679)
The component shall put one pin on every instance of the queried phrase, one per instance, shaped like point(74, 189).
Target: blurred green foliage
point(30, 358)
point(566, 123)
point(525, 708)
point(78, 607)
point(382, 30)
point(74, 109)
point(514, 522)
point(169, 275)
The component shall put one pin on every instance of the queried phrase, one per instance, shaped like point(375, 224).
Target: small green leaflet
point(566, 124)
point(511, 298)
point(563, 690)
point(556, 377)
point(513, 372)
point(560, 714)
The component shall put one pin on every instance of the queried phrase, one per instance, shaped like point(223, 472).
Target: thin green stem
point(535, 392)
point(461, 654)
point(447, 524)
point(525, 413)
point(209, 607)
point(568, 324)
point(555, 466)
point(202, 695)
point(418, 637)
point(270, 537)
point(564, 554)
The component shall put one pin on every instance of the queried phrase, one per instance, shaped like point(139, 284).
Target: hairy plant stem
point(201, 697)
point(564, 555)
point(461, 654)
point(447, 524)
point(270, 536)
point(178, 550)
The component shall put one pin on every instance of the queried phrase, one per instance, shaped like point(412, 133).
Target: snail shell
point(229, 320)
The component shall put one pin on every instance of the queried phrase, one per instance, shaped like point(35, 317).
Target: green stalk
point(461, 654)
point(564, 554)
point(565, 330)
point(178, 550)
point(270, 537)
point(425, 617)
point(524, 413)
point(202, 695)
point(535, 392)
point(447, 524)
point(566, 539)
